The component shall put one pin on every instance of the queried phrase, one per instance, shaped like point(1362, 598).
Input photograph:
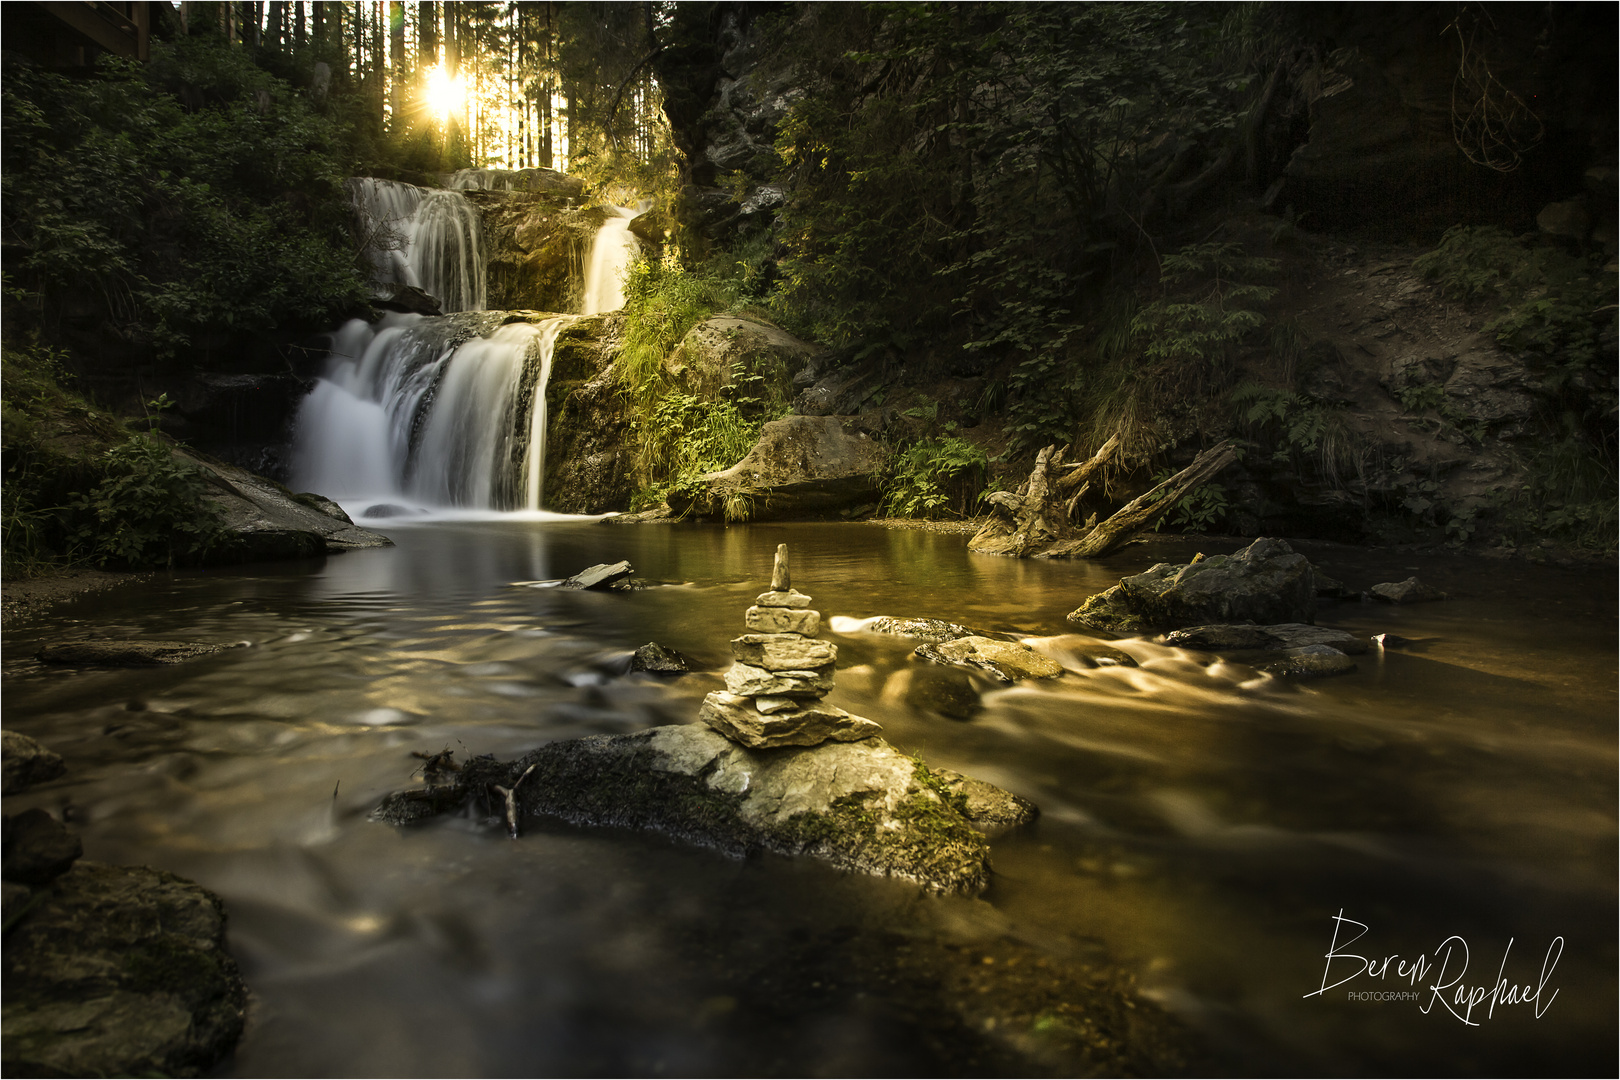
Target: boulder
point(1311, 662)
point(802, 465)
point(947, 691)
point(37, 847)
point(1007, 661)
point(1266, 582)
point(1410, 591)
point(24, 762)
point(126, 653)
point(655, 658)
point(266, 521)
point(718, 352)
point(861, 806)
point(763, 722)
point(118, 971)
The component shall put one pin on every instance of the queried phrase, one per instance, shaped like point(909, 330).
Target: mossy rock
point(860, 806)
point(119, 971)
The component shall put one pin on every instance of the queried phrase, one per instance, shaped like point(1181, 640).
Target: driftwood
point(1036, 520)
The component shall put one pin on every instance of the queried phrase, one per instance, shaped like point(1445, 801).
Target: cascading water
point(612, 251)
point(443, 413)
point(446, 412)
point(424, 237)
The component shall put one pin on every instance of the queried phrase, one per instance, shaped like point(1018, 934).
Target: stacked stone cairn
point(774, 690)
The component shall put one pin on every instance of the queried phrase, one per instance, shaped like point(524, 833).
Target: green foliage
point(172, 218)
point(148, 510)
point(662, 301)
point(1200, 510)
point(934, 476)
point(1209, 304)
point(143, 507)
point(1298, 431)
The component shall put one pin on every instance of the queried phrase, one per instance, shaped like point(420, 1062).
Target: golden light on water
point(446, 94)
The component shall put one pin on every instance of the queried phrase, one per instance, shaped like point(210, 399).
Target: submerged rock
point(1007, 661)
point(1266, 582)
point(1311, 662)
point(802, 465)
point(860, 806)
point(37, 847)
point(25, 762)
point(655, 658)
point(1229, 638)
point(127, 653)
point(931, 630)
point(1410, 591)
point(118, 971)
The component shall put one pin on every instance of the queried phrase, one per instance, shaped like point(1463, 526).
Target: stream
point(1201, 827)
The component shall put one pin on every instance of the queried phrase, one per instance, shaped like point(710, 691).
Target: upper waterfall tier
point(425, 237)
point(612, 251)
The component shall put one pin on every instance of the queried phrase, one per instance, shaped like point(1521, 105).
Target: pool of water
point(1202, 824)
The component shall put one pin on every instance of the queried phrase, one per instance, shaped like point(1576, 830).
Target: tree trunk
point(1039, 512)
point(427, 29)
point(1142, 512)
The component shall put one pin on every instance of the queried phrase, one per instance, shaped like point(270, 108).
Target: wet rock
point(1007, 661)
point(930, 630)
point(744, 722)
point(411, 300)
point(1410, 591)
point(1274, 637)
point(1332, 588)
point(321, 504)
point(659, 660)
point(861, 806)
point(387, 510)
point(988, 808)
point(267, 521)
point(1266, 582)
point(37, 847)
point(600, 576)
point(126, 653)
point(25, 762)
point(746, 680)
point(783, 620)
point(947, 691)
point(783, 652)
point(119, 971)
point(1311, 662)
point(1390, 641)
point(802, 465)
point(1220, 638)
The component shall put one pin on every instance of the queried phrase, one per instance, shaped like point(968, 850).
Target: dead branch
point(1140, 513)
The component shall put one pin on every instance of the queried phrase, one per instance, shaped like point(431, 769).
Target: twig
point(510, 795)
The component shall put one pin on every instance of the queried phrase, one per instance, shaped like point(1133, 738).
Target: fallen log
point(1041, 511)
point(1140, 513)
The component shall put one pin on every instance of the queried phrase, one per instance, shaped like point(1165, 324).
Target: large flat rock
point(269, 522)
point(860, 806)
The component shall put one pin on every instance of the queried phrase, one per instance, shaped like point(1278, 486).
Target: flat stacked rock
point(774, 690)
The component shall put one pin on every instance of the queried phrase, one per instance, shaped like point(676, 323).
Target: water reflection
point(1201, 820)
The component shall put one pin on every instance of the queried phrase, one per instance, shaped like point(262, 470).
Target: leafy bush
point(170, 218)
point(934, 476)
point(662, 301)
point(148, 511)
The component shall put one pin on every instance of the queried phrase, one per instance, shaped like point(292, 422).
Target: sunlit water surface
point(1201, 825)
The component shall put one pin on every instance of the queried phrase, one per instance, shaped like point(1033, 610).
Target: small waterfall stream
point(447, 412)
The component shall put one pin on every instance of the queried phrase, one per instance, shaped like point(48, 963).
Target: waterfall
point(424, 237)
point(446, 412)
point(612, 251)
